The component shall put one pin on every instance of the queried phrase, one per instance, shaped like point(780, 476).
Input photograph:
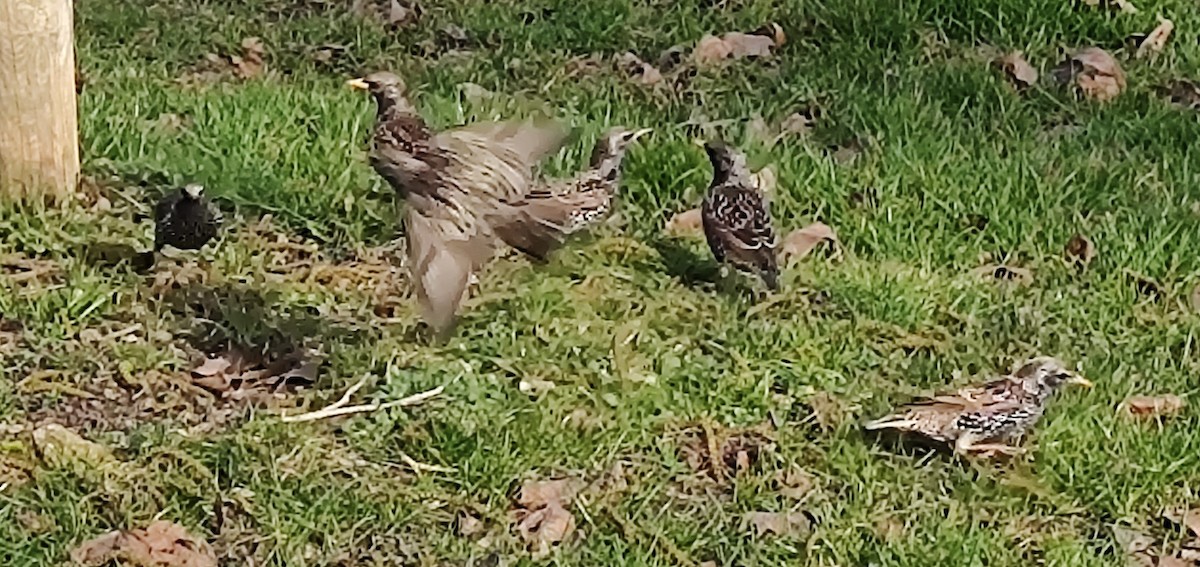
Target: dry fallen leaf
point(687, 223)
point(638, 70)
point(1153, 406)
point(1080, 250)
point(795, 483)
point(539, 493)
point(801, 242)
point(161, 544)
point(237, 374)
point(1181, 92)
point(1196, 298)
point(1096, 73)
point(543, 521)
point(790, 524)
point(1188, 518)
point(250, 63)
point(469, 525)
point(1019, 71)
point(1156, 40)
point(711, 50)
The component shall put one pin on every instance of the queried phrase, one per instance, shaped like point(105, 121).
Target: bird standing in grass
point(574, 204)
point(737, 223)
point(460, 186)
point(985, 418)
point(183, 219)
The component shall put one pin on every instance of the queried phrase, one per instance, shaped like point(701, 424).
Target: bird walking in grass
point(464, 191)
point(183, 219)
point(575, 204)
point(987, 418)
point(735, 216)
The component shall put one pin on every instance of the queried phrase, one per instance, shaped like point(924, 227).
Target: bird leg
point(968, 444)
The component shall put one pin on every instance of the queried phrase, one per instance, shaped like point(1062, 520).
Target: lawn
point(675, 407)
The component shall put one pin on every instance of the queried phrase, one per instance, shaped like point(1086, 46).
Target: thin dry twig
point(336, 409)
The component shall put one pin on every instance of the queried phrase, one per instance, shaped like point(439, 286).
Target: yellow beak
point(640, 133)
point(1080, 380)
point(358, 84)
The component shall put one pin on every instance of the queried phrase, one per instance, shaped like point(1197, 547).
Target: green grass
point(952, 144)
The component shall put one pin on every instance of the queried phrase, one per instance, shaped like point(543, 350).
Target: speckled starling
point(557, 208)
point(458, 186)
point(985, 418)
point(737, 222)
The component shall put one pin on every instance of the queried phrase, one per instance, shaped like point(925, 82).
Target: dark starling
point(986, 418)
point(737, 223)
point(458, 185)
point(183, 219)
point(558, 208)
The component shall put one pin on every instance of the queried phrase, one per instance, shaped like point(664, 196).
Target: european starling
point(737, 223)
point(183, 219)
point(565, 206)
point(988, 417)
point(459, 185)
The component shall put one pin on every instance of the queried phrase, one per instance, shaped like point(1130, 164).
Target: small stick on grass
point(338, 408)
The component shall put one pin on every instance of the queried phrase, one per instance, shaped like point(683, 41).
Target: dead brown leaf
point(637, 70)
point(542, 520)
point(540, 493)
point(1019, 71)
point(1080, 250)
point(1156, 40)
point(1153, 406)
point(469, 525)
point(687, 223)
point(711, 50)
point(801, 242)
point(795, 483)
point(393, 13)
point(161, 544)
point(250, 63)
point(1196, 298)
point(239, 374)
point(1188, 518)
point(793, 525)
point(1181, 92)
point(1095, 73)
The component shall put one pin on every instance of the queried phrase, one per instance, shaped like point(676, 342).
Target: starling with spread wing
point(458, 186)
point(736, 220)
point(985, 418)
point(558, 208)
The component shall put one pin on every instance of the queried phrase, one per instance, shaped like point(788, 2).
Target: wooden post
point(39, 138)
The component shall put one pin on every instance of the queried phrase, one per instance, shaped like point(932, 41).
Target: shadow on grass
point(679, 262)
point(255, 319)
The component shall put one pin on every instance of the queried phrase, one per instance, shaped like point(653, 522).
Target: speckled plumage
point(736, 220)
point(463, 190)
point(987, 417)
point(185, 219)
point(568, 206)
